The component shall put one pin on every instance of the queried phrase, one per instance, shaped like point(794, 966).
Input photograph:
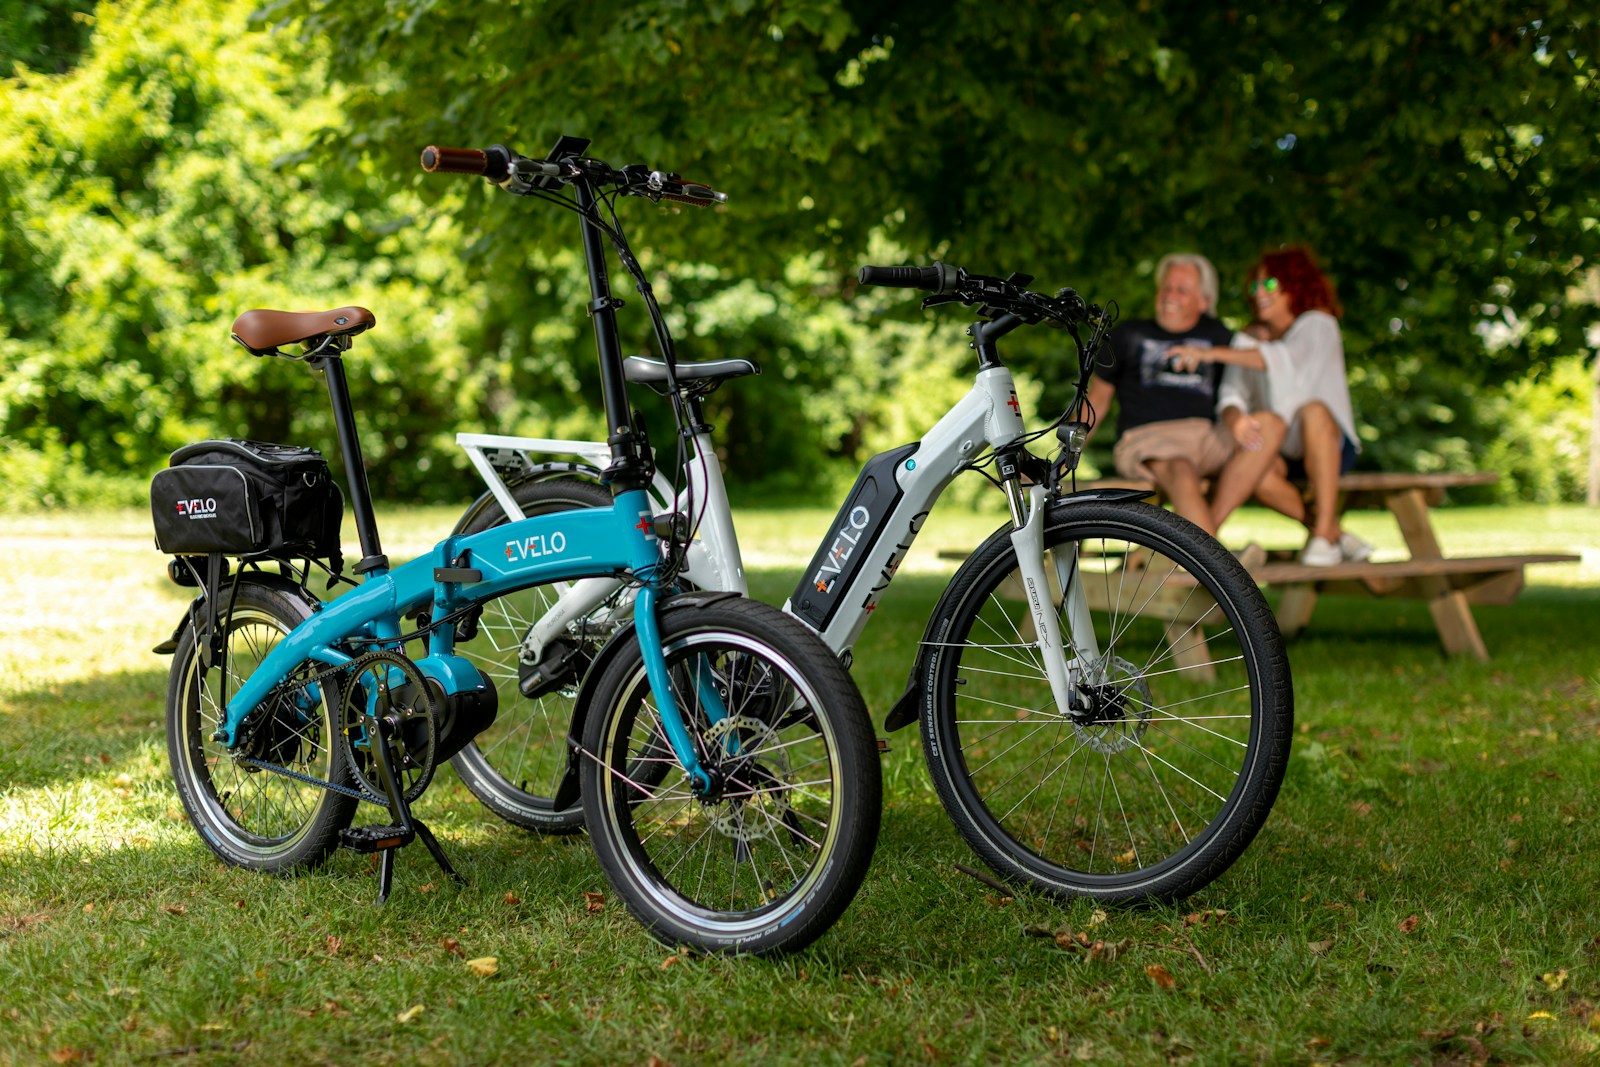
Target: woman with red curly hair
point(1286, 380)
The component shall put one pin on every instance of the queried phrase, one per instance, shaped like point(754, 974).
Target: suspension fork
point(1064, 666)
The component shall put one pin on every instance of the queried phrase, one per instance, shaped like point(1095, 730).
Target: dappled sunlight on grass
point(1428, 863)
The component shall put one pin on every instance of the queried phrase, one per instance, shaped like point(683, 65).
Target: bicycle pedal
point(375, 838)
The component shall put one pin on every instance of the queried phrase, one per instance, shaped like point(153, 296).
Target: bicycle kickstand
point(387, 840)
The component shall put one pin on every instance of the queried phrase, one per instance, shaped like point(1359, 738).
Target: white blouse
point(1305, 364)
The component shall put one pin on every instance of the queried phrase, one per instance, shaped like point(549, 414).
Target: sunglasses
point(1269, 284)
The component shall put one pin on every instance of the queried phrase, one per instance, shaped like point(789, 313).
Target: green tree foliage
point(43, 35)
point(160, 187)
point(1442, 158)
point(1441, 155)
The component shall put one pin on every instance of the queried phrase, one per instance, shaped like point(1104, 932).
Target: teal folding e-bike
point(725, 756)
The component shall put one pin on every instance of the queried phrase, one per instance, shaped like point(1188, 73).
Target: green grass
point(1458, 793)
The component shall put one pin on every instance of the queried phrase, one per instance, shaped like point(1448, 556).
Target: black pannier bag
point(247, 498)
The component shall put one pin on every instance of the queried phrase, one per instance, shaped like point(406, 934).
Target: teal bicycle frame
point(463, 571)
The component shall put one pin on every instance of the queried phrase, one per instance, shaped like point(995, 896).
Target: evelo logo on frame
point(538, 545)
point(198, 508)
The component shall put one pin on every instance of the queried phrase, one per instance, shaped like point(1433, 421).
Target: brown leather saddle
point(262, 332)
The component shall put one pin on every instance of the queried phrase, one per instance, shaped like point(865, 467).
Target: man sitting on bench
point(1166, 429)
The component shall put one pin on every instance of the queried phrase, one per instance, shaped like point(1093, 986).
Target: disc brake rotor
point(1121, 708)
point(753, 803)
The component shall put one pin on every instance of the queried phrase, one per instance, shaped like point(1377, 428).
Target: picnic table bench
point(1449, 584)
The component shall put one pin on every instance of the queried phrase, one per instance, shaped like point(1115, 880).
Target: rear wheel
point(514, 766)
point(249, 816)
point(1167, 765)
point(770, 856)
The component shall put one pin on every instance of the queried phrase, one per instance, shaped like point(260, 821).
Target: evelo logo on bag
point(198, 509)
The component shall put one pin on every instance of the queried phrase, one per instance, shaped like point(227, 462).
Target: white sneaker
point(1321, 552)
point(1353, 549)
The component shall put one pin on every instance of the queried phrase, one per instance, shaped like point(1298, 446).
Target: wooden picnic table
point(1449, 584)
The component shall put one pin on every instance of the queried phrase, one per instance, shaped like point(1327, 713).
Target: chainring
point(389, 684)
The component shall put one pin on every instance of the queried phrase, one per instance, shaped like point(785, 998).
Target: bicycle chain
point(249, 732)
point(343, 790)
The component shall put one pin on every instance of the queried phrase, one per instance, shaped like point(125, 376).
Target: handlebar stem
point(628, 470)
point(985, 334)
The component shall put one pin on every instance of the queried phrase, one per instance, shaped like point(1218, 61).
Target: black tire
point(514, 766)
point(251, 817)
point(1157, 788)
point(764, 873)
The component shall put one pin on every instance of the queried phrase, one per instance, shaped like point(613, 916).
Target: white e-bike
point(1105, 702)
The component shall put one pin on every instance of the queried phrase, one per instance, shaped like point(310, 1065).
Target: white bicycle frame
point(868, 544)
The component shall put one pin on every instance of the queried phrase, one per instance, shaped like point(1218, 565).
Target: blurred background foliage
point(166, 164)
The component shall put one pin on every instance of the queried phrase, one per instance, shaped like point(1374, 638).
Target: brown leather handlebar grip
point(437, 160)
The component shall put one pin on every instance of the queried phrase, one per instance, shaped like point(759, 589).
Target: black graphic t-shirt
point(1150, 392)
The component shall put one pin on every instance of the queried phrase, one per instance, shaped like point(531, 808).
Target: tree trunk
point(1594, 439)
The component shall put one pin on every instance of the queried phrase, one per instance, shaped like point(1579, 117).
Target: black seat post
point(628, 469)
point(344, 422)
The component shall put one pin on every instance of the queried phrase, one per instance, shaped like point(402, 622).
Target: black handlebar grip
point(936, 279)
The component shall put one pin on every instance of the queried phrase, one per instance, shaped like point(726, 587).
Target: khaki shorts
point(1208, 445)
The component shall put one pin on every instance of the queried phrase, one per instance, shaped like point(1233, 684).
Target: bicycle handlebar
point(517, 173)
point(994, 297)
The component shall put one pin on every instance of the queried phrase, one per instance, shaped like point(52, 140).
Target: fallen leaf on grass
point(1097, 917)
point(410, 1014)
point(1072, 941)
point(1319, 948)
point(334, 944)
point(1161, 976)
point(513, 899)
point(1361, 808)
point(174, 909)
point(997, 901)
point(1318, 1042)
point(1408, 924)
point(1210, 915)
point(594, 903)
point(1542, 1015)
point(1108, 951)
point(1554, 980)
point(484, 966)
point(674, 960)
point(452, 946)
point(67, 1055)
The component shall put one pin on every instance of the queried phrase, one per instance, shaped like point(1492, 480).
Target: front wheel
point(1167, 764)
point(770, 857)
